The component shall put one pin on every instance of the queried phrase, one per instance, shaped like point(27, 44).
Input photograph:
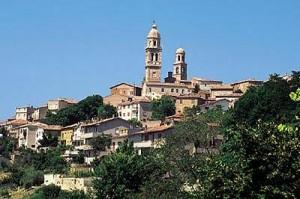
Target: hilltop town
point(80, 134)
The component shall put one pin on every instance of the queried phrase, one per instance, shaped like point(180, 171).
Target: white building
point(135, 109)
point(24, 113)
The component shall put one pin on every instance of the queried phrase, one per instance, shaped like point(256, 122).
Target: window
point(162, 90)
point(172, 90)
point(146, 137)
point(182, 91)
point(180, 101)
point(156, 57)
point(128, 114)
point(177, 70)
point(152, 56)
point(177, 90)
point(149, 89)
point(120, 114)
point(154, 43)
point(154, 74)
point(124, 114)
point(178, 57)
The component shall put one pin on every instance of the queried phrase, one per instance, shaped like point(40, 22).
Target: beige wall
point(244, 86)
point(182, 103)
point(114, 100)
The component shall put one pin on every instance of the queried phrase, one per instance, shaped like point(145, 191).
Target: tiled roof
point(101, 121)
point(125, 84)
point(247, 80)
point(221, 87)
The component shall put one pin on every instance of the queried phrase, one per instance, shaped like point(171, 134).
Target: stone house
point(24, 113)
point(188, 101)
point(243, 86)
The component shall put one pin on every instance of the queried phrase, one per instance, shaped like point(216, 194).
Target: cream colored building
point(30, 134)
point(60, 103)
point(188, 101)
point(24, 113)
point(69, 183)
point(139, 109)
point(243, 86)
point(40, 113)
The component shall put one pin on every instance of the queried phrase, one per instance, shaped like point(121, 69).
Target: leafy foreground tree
point(163, 107)
point(269, 102)
point(258, 161)
point(182, 163)
point(84, 110)
point(121, 174)
point(7, 144)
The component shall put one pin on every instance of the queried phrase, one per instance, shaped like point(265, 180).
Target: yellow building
point(67, 132)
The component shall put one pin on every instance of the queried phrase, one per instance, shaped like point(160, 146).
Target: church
point(176, 82)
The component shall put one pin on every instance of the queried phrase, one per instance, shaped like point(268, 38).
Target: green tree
point(121, 174)
point(107, 111)
point(258, 161)
point(31, 177)
point(182, 163)
point(84, 110)
point(135, 123)
point(48, 141)
point(101, 142)
point(7, 144)
point(268, 102)
point(163, 107)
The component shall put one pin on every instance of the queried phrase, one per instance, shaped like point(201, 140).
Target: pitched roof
point(102, 121)
point(135, 86)
point(248, 80)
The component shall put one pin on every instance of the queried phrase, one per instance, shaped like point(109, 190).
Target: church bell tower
point(153, 59)
point(180, 67)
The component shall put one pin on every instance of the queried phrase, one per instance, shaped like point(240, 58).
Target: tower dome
point(153, 32)
point(180, 51)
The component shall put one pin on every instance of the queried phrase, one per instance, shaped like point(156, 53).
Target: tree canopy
point(163, 107)
point(84, 110)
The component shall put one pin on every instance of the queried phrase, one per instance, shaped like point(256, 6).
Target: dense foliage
point(107, 111)
point(7, 144)
point(121, 174)
point(163, 107)
point(101, 142)
point(269, 102)
point(84, 110)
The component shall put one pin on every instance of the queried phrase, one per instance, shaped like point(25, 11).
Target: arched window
point(178, 57)
point(154, 43)
point(177, 70)
point(152, 56)
point(156, 57)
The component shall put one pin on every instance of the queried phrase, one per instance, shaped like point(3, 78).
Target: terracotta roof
point(135, 86)
point(247, 80)
point(102, 121)
point(42, 125)
point(221, 87)
point(189, 96)
point(166, 84)
point(230, 95)
point(153, 129)
point(17, 122)
point(212, 102)
point(68, 100)
point(135, 102)
point(207, 80)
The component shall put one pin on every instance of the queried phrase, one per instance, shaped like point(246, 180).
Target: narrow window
point(154, 43)
point(162, 90)
point(172, 90)
point(177, 70)
point(178, 57)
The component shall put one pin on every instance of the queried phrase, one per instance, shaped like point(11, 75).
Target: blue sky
point(75, 48)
